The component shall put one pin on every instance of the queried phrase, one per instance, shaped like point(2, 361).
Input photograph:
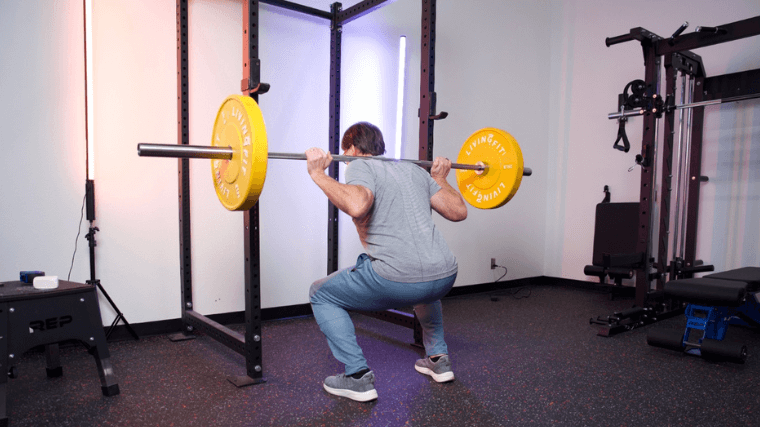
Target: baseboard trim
point(162, 327)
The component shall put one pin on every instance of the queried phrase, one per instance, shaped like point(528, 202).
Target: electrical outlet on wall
point(493, 263)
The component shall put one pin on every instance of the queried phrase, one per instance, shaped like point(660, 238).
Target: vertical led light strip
point(88, 77)
point(400, 93)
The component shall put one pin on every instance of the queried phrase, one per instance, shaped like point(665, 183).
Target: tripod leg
point(119, 314)
point(120, 317)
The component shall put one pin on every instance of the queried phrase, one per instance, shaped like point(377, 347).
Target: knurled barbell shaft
point(225, 153)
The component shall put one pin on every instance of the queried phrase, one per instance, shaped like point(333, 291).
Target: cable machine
point(670, 255)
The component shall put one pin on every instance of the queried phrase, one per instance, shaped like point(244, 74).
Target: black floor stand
point(93, 281)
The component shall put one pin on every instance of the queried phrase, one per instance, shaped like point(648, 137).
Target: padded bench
point(748, 275)
point(715, 301)
point(707, 291)
point(729, 288)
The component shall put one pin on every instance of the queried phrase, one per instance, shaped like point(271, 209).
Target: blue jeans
point(360, 288)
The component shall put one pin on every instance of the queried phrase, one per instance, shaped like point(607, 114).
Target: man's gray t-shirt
point(398, 232)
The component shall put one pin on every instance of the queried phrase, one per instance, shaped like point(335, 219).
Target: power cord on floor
point(502, 276)
point(76, 241)
point(515, 294)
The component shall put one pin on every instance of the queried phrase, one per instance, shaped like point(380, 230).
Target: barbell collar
point(225, 153)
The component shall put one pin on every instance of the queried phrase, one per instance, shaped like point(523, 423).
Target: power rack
point(249, 345)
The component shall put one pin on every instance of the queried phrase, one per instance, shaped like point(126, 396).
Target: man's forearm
point(450, 191)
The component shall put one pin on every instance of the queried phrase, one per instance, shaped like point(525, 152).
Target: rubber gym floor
point(530, 361)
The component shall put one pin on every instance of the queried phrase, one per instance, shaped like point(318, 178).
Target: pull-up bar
point(343, 16)
point(299, 8)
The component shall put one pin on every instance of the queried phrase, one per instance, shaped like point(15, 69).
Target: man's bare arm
point(447, 202)
point(354, 200)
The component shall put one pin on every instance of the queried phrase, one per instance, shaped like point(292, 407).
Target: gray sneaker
point(440, 370)
point(361, 390)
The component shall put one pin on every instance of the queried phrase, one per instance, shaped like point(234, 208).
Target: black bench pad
point(706, 291)
point(749, 275)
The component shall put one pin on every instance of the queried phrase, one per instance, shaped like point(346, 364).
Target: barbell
point(489, 168)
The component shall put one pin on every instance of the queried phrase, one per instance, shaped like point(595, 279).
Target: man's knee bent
point(313, 290)
point(315, 287)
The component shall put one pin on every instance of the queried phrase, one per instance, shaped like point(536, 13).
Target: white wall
point(586, 77)
point(135, 101)
point(492, 71)
point(537, 69)
point(42, 139)
point(294, 55)
point(475, 75)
